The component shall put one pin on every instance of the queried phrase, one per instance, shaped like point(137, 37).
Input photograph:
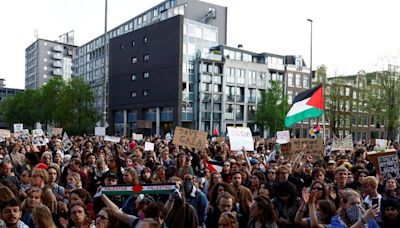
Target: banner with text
point(342, 144)
point(240, 137)
point(282, 137)
point(190, 138)
point(138, 189)
point(388, 166)
point(315, 147)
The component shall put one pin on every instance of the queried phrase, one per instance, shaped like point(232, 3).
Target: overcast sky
point(348, 35)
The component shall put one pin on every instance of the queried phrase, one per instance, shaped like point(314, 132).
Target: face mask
point(353, 213)
point(188, 187)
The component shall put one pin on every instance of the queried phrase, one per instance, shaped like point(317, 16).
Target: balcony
point(57, 64)
point(57, 56)
point(57, 48)
point(229, 116)
point(239, 98)
point(230, 98)
point(57, 72)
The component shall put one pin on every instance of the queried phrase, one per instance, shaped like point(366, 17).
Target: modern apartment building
point(5, 92)
point(89, 60)
point(45, 59)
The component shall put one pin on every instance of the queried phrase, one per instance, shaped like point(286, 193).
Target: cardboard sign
point(4, 134)
point(99, 131)
point(190, 138)
point(148, 146)
point(283, 137)
point(18, 128)
point(240, 137)
point(342, 144)
point(137, 137)
point(314, 147)
point(388, 166)
point(57, 131)
point(112, 139)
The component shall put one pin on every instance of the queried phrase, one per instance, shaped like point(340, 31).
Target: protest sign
point(190, 138)
point(112, 139)
point(4, 134)
point(18, 128)
point(240, 137)
point(148, 146)
point(342, 144)
point(168, 137)
point(283, 137)
point(314, 147)
point(57, 131)
point(67, 144)
point(38, 137)
point(99, 131)
point(137, 137)
point(388, 166)
point(380, 144)
point(138, 189)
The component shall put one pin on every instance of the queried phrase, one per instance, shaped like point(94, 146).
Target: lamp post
point(311, 22)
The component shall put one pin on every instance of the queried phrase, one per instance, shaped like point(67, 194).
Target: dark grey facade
point(45, 59)
point(145, 75)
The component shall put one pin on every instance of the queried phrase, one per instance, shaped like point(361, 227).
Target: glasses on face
point(102, 217)
point(227, 165)
point(271, 172)
point(221, 189)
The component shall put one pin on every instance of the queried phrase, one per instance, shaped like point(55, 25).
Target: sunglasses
point(271, 172)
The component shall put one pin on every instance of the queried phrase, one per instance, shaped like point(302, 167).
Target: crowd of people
point(50, 186)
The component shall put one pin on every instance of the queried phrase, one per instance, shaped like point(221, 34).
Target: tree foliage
point(272, 109)
point(69, 105)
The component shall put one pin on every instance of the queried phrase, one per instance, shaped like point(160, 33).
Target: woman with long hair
point(228, 220)
point(34, 199)
point(42, 218)
point(182, 165)
point(286, 203)
point(54, 173)
point(257, 179)
point(262, 213)
point(106, 219)
point(74, 179)
point(215, 178)
point(392, 189)
point(130, 176)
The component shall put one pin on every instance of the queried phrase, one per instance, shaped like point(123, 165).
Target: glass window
point(298, 77)
point(133, 94)
point(146, 75)
point(45, 60)
point(290, 79)
point(133, 77)
point(146, 57)
point(134, 59)
point(305, 81)
point(191, 30)
point(198, 32)
point(121, 47)
point(145, 92)
point(209, 35)
point(45, 68)
point(290, 97)
point(145, 39)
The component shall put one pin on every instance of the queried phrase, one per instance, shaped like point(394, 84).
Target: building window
point(45, 76)
point(146, 74)
point(145, 39)
point(290, 79)
point(48, 52)
point(121, 47)
point(45, 68)
point(145, 92)
point(133, 77)
point(133, 43)
point(45, 59)
point(134, 59)
point(133, 94)
point(298, 77)
point(305, 82)
point(146, 57)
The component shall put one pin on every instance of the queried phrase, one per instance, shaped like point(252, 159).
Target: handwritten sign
point(314, 147)
point(137, 137)
point(381, 143)
point(342, 144)
point(112, 139)
point(4, 134)
point(283, 137)
point(18, 128)
point(190, 138)
point(388, 166)
point(148, 146)
point(99, 131)
point(240, 137)
point(57, 131)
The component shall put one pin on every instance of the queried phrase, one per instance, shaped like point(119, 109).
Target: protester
point(42, 218)
point(262, 213)
point(11, 214)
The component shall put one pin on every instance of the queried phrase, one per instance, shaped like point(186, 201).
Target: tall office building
point(45, 59)
point(205, 22)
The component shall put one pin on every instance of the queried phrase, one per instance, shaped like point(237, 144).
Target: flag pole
point(323, 115)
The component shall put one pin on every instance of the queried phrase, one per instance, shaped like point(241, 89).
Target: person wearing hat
point(330, 170)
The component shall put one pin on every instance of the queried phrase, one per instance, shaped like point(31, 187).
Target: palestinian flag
point(307, 104)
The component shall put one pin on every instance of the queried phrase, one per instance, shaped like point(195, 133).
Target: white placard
point(18, 128)
point(148, 146)
point(100, 131)
point(240, 137)
point(37, 132)
point(137, 137)
point(282, 137)
point(112, 139)
point(381, 143)
point(388, 166)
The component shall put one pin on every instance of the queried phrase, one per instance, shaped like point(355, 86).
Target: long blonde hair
point(42, 217)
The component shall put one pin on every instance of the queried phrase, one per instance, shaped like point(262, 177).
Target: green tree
point(272, 109)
